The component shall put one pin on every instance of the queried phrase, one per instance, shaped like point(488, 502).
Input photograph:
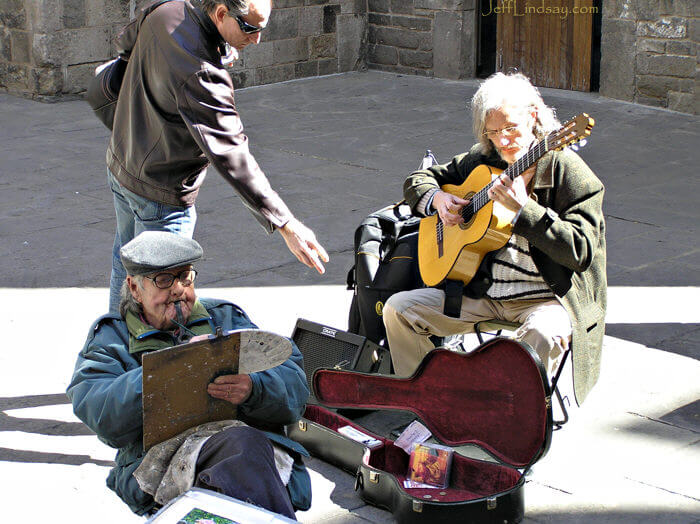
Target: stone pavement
point(337, 148)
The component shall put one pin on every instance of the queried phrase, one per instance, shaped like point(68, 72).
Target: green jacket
point(564, 225)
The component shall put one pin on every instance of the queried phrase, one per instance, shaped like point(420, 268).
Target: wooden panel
point(175, 382)
point(549, 41)
point(175, 379)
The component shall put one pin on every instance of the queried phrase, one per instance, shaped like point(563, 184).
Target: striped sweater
point(515, 275)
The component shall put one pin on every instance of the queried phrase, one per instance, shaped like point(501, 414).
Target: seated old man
point(550, 275)
point(250, 460)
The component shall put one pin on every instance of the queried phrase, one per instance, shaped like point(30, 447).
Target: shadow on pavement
point(43, 427)
point(37, 425)
point(679, 338)
point(618, 517)
point(687, 416)
point(21, 455)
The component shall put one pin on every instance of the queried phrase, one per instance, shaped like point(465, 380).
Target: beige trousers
point(410, 317)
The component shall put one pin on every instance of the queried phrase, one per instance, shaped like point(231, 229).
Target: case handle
point(359, 481)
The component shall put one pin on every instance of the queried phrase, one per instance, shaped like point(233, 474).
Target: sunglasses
point(246, 27)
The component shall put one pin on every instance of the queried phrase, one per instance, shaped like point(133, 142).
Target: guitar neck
point(514, 170)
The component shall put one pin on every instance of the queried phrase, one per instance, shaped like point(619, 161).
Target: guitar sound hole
point(468, 217)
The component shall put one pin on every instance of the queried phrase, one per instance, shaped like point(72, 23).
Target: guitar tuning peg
point(582, 142)
point(574, 147)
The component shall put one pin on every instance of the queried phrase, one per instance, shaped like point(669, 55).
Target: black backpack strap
point(453, 298)
point(350, 279)
point(390, 237)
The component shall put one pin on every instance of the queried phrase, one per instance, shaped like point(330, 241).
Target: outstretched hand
point(233, 388)
point(448, 207)
point(302, 242)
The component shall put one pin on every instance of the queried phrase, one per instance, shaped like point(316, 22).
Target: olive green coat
point(564, 225)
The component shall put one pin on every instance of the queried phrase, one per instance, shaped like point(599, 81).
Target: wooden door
point(549, 41)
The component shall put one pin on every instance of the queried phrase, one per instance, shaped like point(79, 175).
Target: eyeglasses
point(165, 280)
point(506, 131)
point(247, 28)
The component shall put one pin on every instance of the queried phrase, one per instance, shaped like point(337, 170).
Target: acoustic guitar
point(456, 252)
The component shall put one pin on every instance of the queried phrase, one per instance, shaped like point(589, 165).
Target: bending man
point(176, 115)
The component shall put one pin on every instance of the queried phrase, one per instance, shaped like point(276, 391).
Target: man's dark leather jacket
point(176, 115)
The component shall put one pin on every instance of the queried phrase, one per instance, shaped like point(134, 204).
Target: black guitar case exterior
point(495, 397)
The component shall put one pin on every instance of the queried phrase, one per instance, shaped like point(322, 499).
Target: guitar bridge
point(439, 230)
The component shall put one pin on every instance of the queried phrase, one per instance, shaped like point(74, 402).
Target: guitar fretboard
point(517, 168)
point(481, 198)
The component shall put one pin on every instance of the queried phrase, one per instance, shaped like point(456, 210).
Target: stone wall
point(50, 48)
point(422, 37)
point(649, 52)
point(305, 38)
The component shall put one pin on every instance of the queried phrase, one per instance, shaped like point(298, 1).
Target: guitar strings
point(517, 168)
point(481, 198)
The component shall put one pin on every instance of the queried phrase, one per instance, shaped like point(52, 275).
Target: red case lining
point(470, 478)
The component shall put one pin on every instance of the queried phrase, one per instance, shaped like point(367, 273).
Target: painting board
point(175, 382)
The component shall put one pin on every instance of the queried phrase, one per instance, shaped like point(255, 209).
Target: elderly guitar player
point(550, 274)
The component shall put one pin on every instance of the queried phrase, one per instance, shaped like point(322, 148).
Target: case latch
point(374, 477)
point(341, 365)
point(417, 506)
point(302, 425)
point(491, 503)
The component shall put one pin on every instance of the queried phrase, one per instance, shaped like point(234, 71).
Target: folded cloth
point(168, 469)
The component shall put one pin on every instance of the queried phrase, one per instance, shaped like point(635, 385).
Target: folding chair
point(494, 327)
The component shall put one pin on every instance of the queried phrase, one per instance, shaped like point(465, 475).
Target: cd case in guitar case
point(496, 397)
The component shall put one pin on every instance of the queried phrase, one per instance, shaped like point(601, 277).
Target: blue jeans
point(136, 214)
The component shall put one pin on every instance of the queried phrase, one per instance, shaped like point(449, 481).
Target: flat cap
point(153, 251)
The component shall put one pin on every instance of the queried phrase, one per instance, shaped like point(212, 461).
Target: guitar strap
point(477, 288)
point(454, 291)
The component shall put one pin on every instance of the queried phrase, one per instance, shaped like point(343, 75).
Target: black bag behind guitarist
point(550, 276)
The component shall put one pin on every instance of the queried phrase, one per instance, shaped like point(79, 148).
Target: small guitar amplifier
point(328, 347)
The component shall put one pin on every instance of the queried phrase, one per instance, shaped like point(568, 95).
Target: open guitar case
point(496, 397)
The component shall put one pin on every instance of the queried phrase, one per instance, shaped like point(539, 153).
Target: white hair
point(511, 90)
point(127, 302)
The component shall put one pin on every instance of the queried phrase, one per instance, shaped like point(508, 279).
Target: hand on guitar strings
point(448, 207)
point(511, 194)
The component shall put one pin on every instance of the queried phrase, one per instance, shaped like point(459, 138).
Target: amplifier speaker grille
point(326, 347)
